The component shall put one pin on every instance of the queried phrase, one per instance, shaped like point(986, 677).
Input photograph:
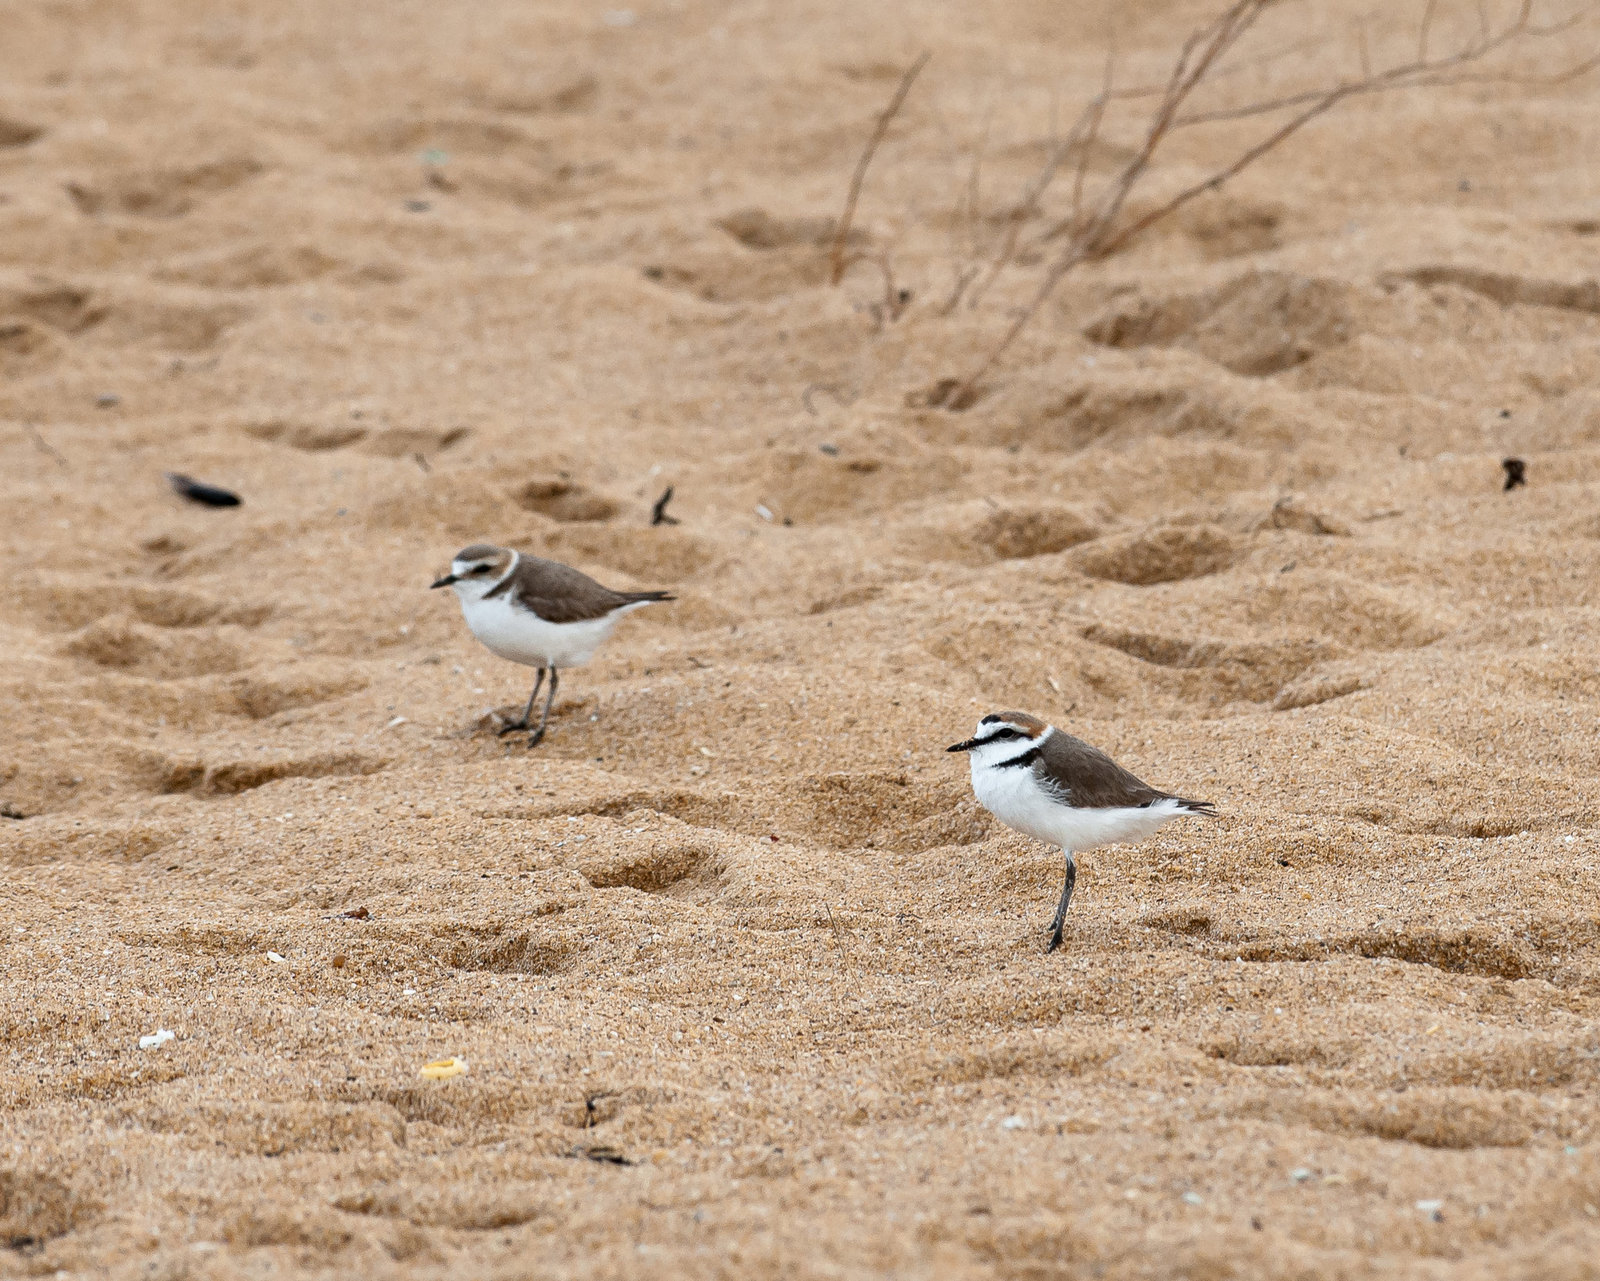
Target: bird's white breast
point(1015, 797)
point(523, 637)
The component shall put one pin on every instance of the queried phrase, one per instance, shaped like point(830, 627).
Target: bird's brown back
point(558, 593)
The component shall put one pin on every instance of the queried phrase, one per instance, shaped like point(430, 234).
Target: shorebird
point(540, 613)
point(1057, 788)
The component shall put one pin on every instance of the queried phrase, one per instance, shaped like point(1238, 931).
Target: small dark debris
point(8, 810)
point(603, 1154)
point(108, 401)
point(658, 512)
point(355, 914)
point(1255, 1223)
point(1283, 862)
point(654, 273)
point(1505, 413)
point(420, 460)
point(197, 491)
point(418, 206)
point(591, 1114)
point(1516, 473)
point(832, 451)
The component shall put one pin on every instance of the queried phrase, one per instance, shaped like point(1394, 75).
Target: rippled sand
point(746, 983)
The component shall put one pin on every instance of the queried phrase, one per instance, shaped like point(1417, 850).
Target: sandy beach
point(745, 982)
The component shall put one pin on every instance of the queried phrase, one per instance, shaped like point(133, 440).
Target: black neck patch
point(1026, 758)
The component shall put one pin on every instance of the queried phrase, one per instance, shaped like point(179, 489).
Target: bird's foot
point(512, 728)
point(535, 738)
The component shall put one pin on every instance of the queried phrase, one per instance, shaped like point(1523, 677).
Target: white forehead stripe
point(987, 728)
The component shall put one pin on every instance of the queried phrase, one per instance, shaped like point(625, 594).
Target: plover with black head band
point(1057, 788)
point(540, 613)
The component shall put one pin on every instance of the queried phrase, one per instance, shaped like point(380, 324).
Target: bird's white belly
point(524, 637)
point(1015, 798)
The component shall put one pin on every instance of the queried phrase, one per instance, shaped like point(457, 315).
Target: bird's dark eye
point(480, 569)
point(1003, 733)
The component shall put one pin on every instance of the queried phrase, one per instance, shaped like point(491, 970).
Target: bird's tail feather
point(1206, 809)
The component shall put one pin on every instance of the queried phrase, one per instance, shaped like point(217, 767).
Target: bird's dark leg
point(1066, 897)
point(528, 710)
point(544, 720)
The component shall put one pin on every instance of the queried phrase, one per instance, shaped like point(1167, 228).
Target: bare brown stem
point(1092, 135)
point(1027, 205)
point(842, 232)
point(1105, 229)
point(44, 446)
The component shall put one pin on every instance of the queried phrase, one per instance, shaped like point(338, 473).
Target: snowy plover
point(540, 613)
point(1056, 788)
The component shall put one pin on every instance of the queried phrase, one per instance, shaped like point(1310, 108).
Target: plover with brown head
point(1057, 788)
point(537, 612)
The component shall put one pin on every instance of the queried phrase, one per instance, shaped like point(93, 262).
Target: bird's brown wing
point(1088, 778)
point(558, 593)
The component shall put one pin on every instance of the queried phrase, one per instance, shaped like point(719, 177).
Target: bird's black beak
point(442, 582)
point(963, 747)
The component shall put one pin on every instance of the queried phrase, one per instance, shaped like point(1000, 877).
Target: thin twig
point(967, 224)
point(1027, 206)
point(1104, 231)
point(1384, 85)
point(895, 298)
point(838, 933)
point(974, 195)
point(44, 446)
point(1199, 52)
point(1092, 136)
point(965, 275)
point(842, 232)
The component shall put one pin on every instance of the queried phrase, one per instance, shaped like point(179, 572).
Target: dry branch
point(1085, 132)
point(842, 232)
point(1107, 228)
